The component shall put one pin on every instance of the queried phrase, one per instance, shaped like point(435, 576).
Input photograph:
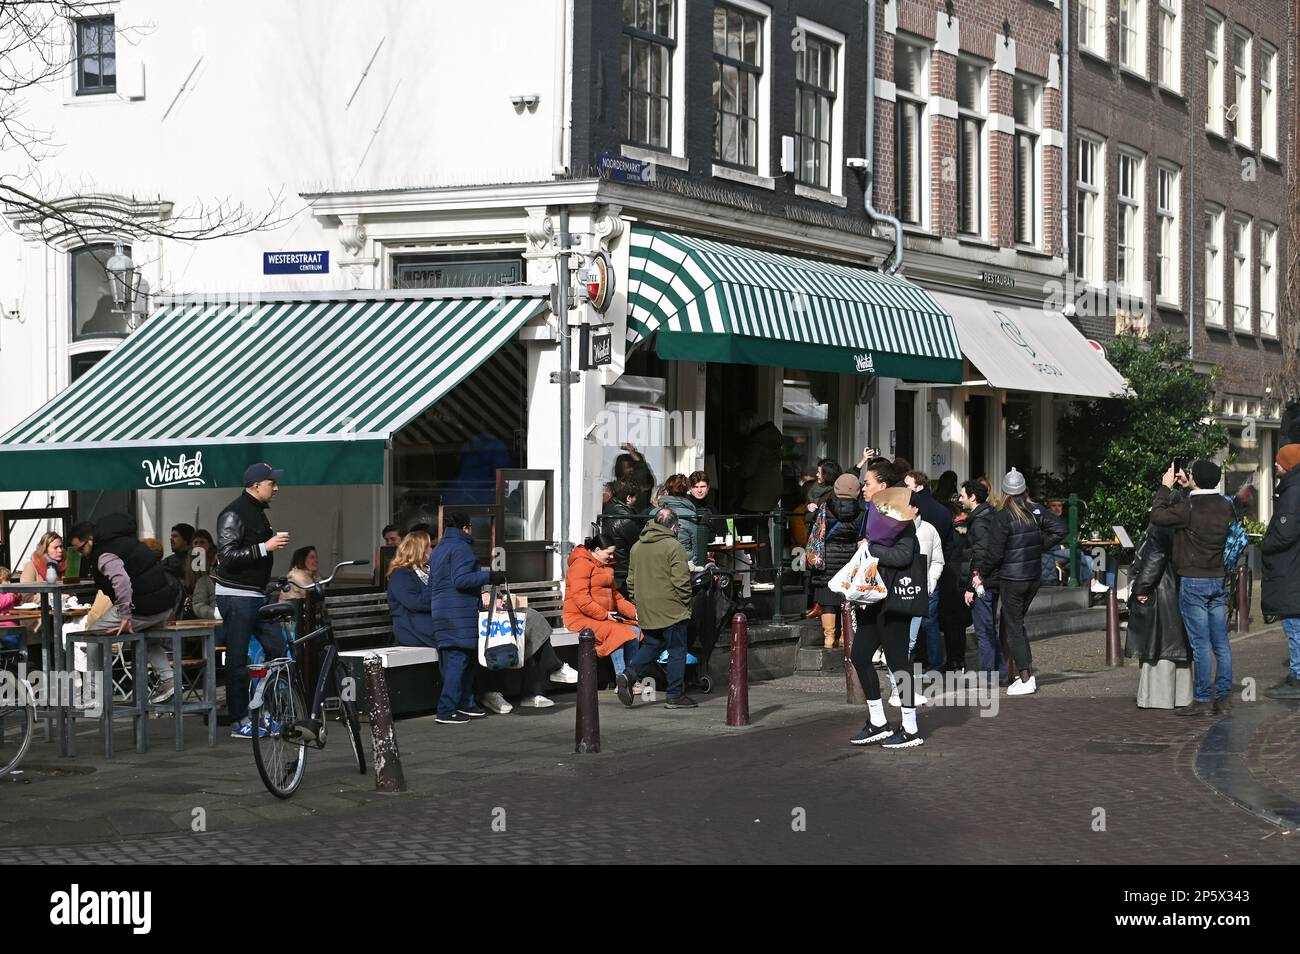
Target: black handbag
point(906, 592)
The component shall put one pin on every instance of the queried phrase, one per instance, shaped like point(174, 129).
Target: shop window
point(808, 420)
point(81, 363)
point(467, 270)
point(1244, 469)
point(1020, 417)
point(93, 313)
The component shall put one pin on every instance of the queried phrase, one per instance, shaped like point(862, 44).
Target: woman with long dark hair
point(842, 511)
point(816, 493)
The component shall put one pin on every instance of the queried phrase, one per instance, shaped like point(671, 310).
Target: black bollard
point(738, 680)
point(1243, 599)
point(1114, 651)
point(586, 728)
point(852, 687)
point(388, 761)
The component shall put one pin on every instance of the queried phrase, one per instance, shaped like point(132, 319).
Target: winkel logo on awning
point(865, 363)
point(183, 472)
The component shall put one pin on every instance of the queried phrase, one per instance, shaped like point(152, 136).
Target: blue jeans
point(1291, 626)
point(652, 644)
point(984, 614)
point(619, 657)
point(934, 654)
point(458, 667)
point(240, 623)
point(1204, 605)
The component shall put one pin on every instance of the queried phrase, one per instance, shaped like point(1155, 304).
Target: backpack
point(1235, 545)
point(815, 550)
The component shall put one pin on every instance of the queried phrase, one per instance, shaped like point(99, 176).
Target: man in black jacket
point(1281, 552)
point(245, 544)
point(621, 521)
point(939, 517)
point(987, 539)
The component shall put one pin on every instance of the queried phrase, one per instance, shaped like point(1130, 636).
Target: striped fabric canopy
point(316, 387)
point(711, 301)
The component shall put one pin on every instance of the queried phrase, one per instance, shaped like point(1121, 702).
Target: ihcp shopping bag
point(500, 635)
point(858, 581)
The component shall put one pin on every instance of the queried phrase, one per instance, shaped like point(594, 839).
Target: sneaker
point(1021, 688)
point(495, 702)
point(1197, 710)
point(535, 702)
point(681, 702)
point(474, 712)
point(902, 740)
point(244, 730)
point(871, 734)
point(1222, 705)
point(623, 687)
point(165, 690)
point(565, 674)
point(454, 719)
point(1287, 690)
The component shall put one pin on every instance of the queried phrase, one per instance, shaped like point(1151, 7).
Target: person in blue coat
point(455, 585)
point(409, 597)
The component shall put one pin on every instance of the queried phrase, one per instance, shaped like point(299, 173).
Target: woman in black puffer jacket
point(843, 513)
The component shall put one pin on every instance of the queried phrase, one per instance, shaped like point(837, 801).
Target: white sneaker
point(1019, 688)
point(495, 702)
point(535, 702)
point(165, 690)
point(566, 674)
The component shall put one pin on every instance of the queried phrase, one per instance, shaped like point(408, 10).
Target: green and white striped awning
point(202, 390)
point(711, 301)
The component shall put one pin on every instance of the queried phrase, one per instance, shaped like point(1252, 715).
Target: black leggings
point(877, 628)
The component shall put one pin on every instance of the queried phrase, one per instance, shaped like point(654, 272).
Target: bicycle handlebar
point(284, 582)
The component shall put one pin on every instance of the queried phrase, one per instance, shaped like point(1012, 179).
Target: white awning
point(1030, 349)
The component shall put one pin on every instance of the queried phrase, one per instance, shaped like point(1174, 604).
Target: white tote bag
point(500, 635)
point(858, 581)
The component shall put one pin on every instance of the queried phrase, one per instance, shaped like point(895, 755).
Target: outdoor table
point(51, 614)
point(738, 547)
point(174, 634)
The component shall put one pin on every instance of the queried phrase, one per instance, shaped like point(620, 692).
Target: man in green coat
point(659, 583)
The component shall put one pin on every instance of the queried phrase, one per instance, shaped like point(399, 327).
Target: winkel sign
point(182, 472)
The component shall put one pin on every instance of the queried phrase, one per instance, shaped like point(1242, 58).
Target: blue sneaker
point(244, 730)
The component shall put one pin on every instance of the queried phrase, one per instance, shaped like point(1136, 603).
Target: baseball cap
point(260, 472)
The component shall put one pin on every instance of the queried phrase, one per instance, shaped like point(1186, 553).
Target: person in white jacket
point(928, 539)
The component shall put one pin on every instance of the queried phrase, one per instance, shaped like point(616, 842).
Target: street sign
point(598, 282)
point(623, 169)
point(597, 346)
point(295, 263)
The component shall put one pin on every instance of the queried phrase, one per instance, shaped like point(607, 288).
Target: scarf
point(423, 573)
point(40, 561)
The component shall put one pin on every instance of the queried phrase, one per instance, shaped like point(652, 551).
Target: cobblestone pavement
point(1074, 774)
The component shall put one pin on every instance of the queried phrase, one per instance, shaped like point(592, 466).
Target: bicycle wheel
point(280, 759)
point(17, 723)
point(348, 712)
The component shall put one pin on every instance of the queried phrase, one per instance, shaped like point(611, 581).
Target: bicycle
point(17, 710)
point(284, 727)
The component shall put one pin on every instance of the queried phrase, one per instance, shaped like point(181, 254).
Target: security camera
point(517, 102)
point(531, 100)
point(856, 162)
point(1231, 112)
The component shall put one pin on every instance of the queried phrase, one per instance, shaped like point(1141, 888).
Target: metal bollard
point(1243, 599)
point(586, 729)
point(388, 761)
point(1114, 652)
point(738, 678)
point(852, 687)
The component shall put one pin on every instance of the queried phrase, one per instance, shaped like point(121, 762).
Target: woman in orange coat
point(590, 600)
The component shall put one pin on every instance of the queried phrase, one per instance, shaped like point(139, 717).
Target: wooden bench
point(364, 620)
point(547, 597)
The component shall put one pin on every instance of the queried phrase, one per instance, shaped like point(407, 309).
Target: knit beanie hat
point(1288, 456)
point(1014, 482)
point(1207, 474)
point(846, 485)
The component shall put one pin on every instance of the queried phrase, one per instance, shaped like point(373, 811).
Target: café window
point(469, 270)
point(94, 315)
point(96, 56)
point(82, 363)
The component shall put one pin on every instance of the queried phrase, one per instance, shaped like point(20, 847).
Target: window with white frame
point(1168, 203)
point(1267, 99)
point(96, 55)
point(1133, 35)
point(1026, 106)
point(1170, 36)
point(1213, 74)
point(1242, 312)
point(649, 40)
point(1088, 227)
point(1214, 266)
point(972, 109)
point(912, 90)
point(1128, 226)
point(1268, 280)
point(737, 75)
point(1241, 85)
point(1092, 26)
point(815, 82)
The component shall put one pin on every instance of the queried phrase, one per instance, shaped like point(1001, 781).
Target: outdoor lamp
point(123, 279)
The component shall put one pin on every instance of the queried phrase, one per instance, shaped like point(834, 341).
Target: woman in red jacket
point(590, 600)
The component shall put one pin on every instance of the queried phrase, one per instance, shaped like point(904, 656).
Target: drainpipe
point(1192, 221)
point(1067, 154)
point(565, 379)
point(868, 166)
point(559, 89)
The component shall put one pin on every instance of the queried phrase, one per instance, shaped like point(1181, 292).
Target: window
point(96, 56)
point(815, 80)
point(1168, 203)
point(1026, 104)
point(1092, 26)
point(912, 91)
point(94, 314)
point(1241, 85)
point(737, 72)
point(1214, 266)
point(1268, 281)
point(648, 45)
point(1170, 34)
point(1213, 78)
point(1267, 99)
point(79, 364)
point(1128, 226)
point(1133, 35)
point(1087, 212)
point(1242, 312)
point(457, 270)
point(972, 84)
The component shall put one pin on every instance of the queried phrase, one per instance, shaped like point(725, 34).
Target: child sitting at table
point(11, 634)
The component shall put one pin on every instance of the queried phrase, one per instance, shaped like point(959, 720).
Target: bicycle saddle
point(277, 611)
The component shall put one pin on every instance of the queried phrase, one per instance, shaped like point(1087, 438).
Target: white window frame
point(1168, 244)
point(1033, 129)
point(763, 134)
point(1214, 75)
point(1092, 26)
point(1129, 231)
point(1169, 29)
point(920, 100)
point(1268, 278)
point(1091, 225)
point(1268, 99)
point(1243, 313)
point(1132, 54)
point(1213, 253)
point(1241, 80)
point(676, 146)
point(836, 39)
point(978, 115)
